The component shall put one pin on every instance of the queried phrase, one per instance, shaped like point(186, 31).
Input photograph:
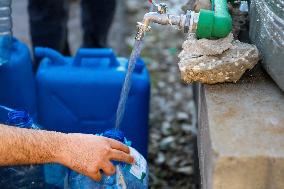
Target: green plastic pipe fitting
point(215, 23)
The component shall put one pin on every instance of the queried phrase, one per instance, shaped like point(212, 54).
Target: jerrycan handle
point(95, 53)
point(54, 56)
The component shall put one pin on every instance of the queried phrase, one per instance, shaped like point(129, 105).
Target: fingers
point(121, 156)
point(118, 145)
point(108, 168)
point(95, 176)
point(94, 173)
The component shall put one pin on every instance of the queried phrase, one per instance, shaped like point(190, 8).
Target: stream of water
point(127, 83)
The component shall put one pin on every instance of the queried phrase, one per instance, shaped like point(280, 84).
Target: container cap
point(139, 66)
point(18, 117)
point(114, 134)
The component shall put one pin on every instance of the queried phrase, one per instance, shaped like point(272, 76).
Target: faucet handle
point(162, 8)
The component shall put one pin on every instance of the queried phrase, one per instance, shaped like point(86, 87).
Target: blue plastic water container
point(17, 82)
point(126, 176)
point(81, 94)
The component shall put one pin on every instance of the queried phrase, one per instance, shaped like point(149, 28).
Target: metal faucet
point(187, 21)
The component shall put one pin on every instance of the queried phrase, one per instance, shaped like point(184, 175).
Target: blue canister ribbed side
point(5, 31)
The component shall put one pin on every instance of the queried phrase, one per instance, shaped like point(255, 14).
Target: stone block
point(241, 134)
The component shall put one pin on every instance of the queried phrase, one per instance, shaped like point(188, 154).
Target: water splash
point(127, 83)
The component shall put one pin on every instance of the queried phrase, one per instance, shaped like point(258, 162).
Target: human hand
point(88, 154)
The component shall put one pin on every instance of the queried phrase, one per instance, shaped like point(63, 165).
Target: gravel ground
point(172, 123)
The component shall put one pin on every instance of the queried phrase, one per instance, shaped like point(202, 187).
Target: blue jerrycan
point(17, 82)
point(81, 94)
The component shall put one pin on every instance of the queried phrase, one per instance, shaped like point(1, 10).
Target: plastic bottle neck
point(19, 118)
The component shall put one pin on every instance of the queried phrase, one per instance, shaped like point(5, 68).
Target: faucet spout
point(182, 21)
point(163, 19)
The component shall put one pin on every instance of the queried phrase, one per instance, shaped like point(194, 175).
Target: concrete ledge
point(241, 134)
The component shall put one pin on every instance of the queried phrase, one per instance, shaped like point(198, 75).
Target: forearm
point(26, 146)
point(86, 154)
